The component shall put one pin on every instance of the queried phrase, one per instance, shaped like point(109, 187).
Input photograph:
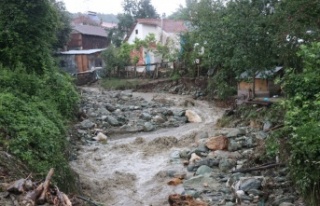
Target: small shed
point(79, 61)
point(264, 83)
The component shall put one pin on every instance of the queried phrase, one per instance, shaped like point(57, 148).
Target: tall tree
point(29, 35)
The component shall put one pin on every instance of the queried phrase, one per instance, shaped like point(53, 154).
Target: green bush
point(303, 117)
point(34, 111)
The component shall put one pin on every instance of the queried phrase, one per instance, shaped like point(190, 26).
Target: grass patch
point(120, 84)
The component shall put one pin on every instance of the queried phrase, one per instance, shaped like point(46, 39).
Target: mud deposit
point(132, 169)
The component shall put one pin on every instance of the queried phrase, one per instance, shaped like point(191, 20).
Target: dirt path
point(131, 169)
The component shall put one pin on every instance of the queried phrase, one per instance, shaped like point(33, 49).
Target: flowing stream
point(130, 169)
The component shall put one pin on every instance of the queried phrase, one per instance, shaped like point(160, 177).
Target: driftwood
point(62, 198)
point(259, 168)
point(31, 197)
point(17, 187)
point(42, 198)
point(40, 195)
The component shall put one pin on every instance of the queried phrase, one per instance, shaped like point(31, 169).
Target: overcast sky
point(114, 6)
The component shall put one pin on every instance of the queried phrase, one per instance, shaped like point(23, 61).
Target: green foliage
point(34, 120)
point(28, 32)
point(303, 117)
point(221, 86)
point(36, 100)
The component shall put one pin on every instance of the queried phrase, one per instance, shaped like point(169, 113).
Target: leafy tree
point(133, 9)
point(236, 36)
point(302, 117)
point(32, 116)
point(28, 32)
point(295, 23)
point(63, 26)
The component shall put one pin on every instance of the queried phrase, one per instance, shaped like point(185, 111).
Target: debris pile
point(24, 192)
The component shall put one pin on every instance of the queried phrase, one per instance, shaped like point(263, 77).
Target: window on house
point(137, 31)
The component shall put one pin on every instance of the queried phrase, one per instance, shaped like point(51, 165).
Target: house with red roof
point(165, 30)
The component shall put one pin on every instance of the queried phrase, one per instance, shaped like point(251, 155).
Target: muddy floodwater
point(128, 170)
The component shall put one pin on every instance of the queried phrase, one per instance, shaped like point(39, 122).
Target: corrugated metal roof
point(91, 30)
point(88, 51)
point(263, 74)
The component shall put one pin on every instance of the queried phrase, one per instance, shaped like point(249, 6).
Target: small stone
point(159, 119)
point(192, 116)
point(251, 183)
point(145, 116)
point(226, 164)
point(100, 137)
point(148, 127)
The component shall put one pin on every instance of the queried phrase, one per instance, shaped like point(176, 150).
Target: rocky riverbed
point(139, 148)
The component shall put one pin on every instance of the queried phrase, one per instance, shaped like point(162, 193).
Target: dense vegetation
point(36, 100)
point(251, 36)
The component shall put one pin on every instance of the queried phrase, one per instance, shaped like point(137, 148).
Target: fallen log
point(63, 198)
point(42, 198)
point(259, 168)
point(31, 197)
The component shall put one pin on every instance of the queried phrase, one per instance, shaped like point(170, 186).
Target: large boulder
point(192, 116)
point(217, 143)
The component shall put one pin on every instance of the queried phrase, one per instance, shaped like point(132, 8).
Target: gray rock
point(110, 107)
point(113, 121)
point(146, 116)
point(175, 157)
point(204, 170)
point(233, 145)
point(192, 168)
point(87, 124)
point(267, 125)
point(261, 135)
point(185, 154)
point(229, 204)
point(249, 184)
point(255, 192)
point(148, 127)
point(198, 181)
point(226, 164)
point(208, 162)
point(235, 132)
point(159, 119)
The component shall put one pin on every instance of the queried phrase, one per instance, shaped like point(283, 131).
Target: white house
point(163, 29)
